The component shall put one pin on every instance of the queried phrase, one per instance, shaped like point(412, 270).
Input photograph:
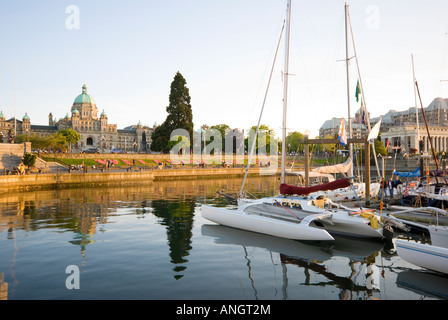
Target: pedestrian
point(382, 188)
point(391, 188)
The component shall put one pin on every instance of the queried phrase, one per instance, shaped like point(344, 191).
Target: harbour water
point(150, 242)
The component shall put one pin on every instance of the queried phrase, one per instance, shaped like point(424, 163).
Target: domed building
point(95, 131)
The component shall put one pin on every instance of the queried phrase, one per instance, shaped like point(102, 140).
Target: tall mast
point(285, 87)
point(363, 96)
point(416, 104)
point(15, 101)
point(348, 88)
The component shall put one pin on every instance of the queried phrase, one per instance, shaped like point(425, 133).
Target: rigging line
point(266, 68)
point(362, 91)
point(305, 74)
point(262, 109)
point(443, 63)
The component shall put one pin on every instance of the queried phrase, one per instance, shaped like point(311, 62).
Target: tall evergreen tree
point(180, 115)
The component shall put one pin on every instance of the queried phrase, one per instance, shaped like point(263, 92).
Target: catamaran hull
point(274, 227)
point(423, 255)
point(352, 227)
point(341, 222)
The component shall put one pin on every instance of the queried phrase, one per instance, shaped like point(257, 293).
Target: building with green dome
point(95, 131)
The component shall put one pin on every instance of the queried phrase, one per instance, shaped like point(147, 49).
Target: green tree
point(380, 148)
point(29, 159)
point(264, 144)
point(292, 142)
point(223, 129)
point(70, 135)
point(180, 115)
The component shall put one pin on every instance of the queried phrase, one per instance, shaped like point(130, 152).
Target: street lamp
point(103, 139)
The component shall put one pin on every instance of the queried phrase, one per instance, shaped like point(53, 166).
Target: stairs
point(52, 167)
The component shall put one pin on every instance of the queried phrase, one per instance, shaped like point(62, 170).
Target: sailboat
point(356, 190)
point(432, 256)
point(299, 216)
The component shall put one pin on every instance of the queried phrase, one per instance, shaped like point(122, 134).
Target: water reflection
point(154, 237)
point(178, 219)
point(347, 264)
point(85, 212)
point(424, 282)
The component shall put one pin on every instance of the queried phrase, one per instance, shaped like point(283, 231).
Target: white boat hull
point(265, 225)
point(423, 255)
point(439, 235)
point(343, 224)
point(341, 221)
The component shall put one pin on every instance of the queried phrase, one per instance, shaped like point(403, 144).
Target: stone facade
point(95, 131)
point(401, 130)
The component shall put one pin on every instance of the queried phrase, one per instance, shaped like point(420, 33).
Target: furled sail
point(338, 168)
point(286, 189)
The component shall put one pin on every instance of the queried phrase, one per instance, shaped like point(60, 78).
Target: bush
point(29, 159)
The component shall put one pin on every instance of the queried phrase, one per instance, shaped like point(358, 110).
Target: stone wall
point(12, 183)
point(11, 154)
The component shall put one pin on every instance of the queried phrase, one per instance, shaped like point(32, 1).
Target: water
point(150, 242)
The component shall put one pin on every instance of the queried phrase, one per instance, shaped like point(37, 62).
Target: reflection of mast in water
point(252, 283)
point(344, 283)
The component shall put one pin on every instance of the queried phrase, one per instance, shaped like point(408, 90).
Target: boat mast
point(416, 104)
point(348, 88)
point(285, 88)
point(363, 96)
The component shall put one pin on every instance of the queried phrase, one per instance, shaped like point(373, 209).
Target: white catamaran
point(294, 214)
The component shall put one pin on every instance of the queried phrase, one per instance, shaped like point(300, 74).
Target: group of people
point(389, 185)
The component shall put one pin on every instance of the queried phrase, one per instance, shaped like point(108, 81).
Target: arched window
point(89, 141)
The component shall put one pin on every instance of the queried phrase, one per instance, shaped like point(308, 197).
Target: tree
point(292, 142)
point(29, 159)
point(180, 115)
point(70, 135)
point(263, 144)
point(223, 129)
point(379, 146)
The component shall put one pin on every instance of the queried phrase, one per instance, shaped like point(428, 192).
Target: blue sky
point(129, 51)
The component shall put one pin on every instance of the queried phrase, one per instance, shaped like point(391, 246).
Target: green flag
point(358, 91)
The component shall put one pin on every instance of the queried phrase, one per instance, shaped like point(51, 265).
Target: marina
point(94, 207)
point(150, 242)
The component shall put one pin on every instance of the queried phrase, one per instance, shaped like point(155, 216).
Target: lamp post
point(103, 140)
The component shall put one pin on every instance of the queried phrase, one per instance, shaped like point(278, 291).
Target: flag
point(406, 190)
point(358, 91)
point(375, 131)
point(342, 136)
point(363, 113)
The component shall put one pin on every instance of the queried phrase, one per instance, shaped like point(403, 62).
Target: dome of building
point(75, 112)
point(26, 117)
point(84, 97)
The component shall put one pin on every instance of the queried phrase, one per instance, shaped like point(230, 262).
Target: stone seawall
point(27, 182)
point(65, 180)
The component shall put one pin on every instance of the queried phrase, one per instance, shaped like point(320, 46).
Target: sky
point(128, 53)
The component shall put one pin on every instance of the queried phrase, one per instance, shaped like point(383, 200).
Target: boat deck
point(277, 212)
